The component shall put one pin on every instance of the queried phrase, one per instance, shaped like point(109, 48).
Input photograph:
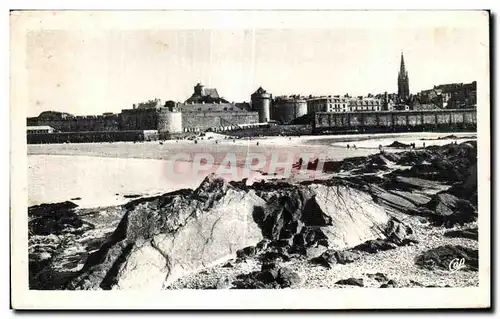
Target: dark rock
point(76, 198)
point(298, 240)
point(397, 144)
point(376, 245)
point(263, 244)
point(228, 265)
point(326, 259)
point(448, 257)
point(351, 282)
point(470, 233)
point(331, 257)
point(267, 276)
point(396, 231)
point(288, 278)
point(413, 158)
point(467, 189)
point(313, 215)
point(256, 280)
point(346, 256)
point(131, 196)
point(322, 242)
point(447, 210)
point(390, 284)
point(249, 251)
point(295, 227)
point(272, 256)
point(56, 219)
point(285, 243)
point(416, 283)
point(268, 266)
point(380, 277)
point(449, 163)
point(409, 242)
point(313, 252)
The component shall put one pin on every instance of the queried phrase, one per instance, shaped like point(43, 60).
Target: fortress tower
point(169, 119)
point(403, 82)
point(261, 102)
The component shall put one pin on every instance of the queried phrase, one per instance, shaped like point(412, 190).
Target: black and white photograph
point(268, 152)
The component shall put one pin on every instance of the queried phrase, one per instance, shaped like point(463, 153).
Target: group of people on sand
point(353, 146)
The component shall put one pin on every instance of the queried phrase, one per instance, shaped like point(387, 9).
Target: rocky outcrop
point(449, 163)
point(471, 233)
point(351, 282)
point(397, 144)
point(162, 238)
point(270, 277)
point(331, 257)
point(55, 219)
point(447, 210)
point(448, 257)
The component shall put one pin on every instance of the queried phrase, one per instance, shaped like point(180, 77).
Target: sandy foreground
point(103, 174)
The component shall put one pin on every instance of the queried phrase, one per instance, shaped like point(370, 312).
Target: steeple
point(403, 81)
point(402, 69)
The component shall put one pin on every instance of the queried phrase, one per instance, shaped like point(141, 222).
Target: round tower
point(261, 102)
point(300, 107)
point(169, 120)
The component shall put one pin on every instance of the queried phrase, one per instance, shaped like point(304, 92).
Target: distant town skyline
point(95, 71)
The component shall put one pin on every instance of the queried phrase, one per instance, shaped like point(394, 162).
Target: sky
point(91, 71)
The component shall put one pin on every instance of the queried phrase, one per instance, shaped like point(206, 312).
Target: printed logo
point(456, 264)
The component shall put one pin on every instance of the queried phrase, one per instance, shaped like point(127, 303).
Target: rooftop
point(207, 95)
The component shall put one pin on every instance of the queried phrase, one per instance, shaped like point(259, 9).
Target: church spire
point(403, 81)
point(402, 69)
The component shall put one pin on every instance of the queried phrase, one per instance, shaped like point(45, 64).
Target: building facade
point(450, 96)
point(330, 103)
point(364, 104)
point(337, 104)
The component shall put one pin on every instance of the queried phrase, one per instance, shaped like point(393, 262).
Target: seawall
point(395, 121)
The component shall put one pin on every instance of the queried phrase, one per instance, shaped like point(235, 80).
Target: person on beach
point(381, 149)
point(424, 144)
point(348, 146)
